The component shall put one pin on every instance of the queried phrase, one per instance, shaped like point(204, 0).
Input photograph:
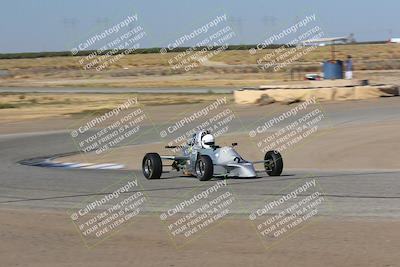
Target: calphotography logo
point(209, 41)
point(198, 212)
point(216, 118)
point(202, 113)
point(111, 45)
point(105, 214)
point(200, 133)
point(288, 213)
point(302, 36)
point(120, 125)
point(285, 131)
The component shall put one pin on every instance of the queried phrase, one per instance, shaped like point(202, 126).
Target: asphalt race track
point(368, 192)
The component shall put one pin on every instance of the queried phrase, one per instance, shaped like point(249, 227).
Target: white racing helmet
point(208, 141)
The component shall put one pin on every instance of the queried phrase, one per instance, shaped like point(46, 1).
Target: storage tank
point(333, 69)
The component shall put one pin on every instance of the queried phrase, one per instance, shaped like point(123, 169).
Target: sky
point(60, 25)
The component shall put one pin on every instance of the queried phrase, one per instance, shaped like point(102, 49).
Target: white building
point(395, 40)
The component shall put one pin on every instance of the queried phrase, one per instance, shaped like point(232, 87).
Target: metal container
point(333, 69)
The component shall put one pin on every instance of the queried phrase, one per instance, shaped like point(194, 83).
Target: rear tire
point(152, 166)
point(204, 168)
point(275, 165)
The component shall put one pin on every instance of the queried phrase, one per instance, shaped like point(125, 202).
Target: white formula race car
point(200, 157)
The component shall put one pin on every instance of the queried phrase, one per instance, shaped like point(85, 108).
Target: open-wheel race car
point(200, 157)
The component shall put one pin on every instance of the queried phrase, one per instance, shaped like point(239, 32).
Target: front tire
point(204, 168)
point(274, 166)
point(152, 166)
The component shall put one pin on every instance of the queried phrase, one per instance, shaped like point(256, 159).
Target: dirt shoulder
point(33, 238)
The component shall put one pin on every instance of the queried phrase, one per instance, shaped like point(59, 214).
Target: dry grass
point(153, 70)
point(34, 105)
point(233, 57)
